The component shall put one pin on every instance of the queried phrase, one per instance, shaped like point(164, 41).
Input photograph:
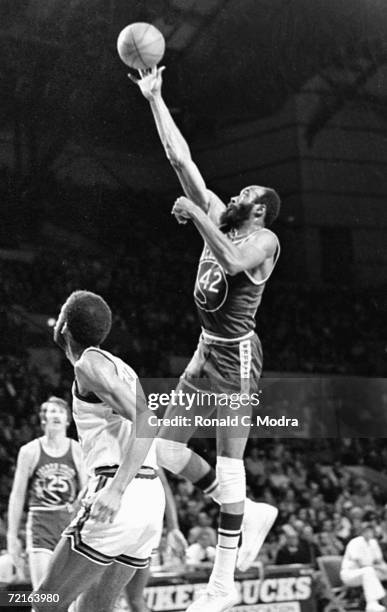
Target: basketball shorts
point(44, 528)
point(136, 529)
point(225, 366)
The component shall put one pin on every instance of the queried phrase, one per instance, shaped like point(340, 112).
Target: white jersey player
point(121, 519)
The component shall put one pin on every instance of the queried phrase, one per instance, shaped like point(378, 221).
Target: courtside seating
point(341, 597)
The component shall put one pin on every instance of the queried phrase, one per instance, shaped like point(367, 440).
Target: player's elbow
point(174, 159)
point(233, 266)
point(177, 159)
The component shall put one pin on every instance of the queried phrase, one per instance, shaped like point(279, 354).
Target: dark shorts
point(44, 528)
point(220, 366)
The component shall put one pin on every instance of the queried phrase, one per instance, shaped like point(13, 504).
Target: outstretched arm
point(175, 146)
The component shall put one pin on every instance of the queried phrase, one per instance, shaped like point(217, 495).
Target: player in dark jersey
point(239, 255)
point(50, 473)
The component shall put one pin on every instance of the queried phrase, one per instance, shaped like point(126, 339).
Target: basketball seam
point(148, 44)
point(143, 34)
point(138, 52)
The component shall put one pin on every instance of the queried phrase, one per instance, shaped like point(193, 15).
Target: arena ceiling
point(227, 60)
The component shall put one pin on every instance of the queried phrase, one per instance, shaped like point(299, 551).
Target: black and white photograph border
point(193, 338)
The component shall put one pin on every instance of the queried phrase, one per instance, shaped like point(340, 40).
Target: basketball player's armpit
point(97, 374)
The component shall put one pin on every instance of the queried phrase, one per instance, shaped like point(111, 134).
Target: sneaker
point(257, 521)
point(215, 602)
point(375, 607)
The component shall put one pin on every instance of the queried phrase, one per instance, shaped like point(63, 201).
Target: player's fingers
point(103, 514)
point(160, 70)
point(133, 78)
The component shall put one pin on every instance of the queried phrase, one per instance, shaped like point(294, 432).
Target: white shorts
point(135, 531)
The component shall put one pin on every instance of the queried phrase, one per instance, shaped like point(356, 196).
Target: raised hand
point(150, 82)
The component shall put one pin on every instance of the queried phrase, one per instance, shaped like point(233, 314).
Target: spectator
point(310, 539)
point(362, 496)
point(203, 526)
point(363, 565)
point(327, 545)
point(294, 550)
point(201, 551)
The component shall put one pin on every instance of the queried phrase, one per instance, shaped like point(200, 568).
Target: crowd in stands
point(302, 329)
point(318, 487)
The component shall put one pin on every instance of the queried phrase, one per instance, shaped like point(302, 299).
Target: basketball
point(140, 46)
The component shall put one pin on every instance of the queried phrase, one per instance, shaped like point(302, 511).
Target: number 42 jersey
point(227, 304)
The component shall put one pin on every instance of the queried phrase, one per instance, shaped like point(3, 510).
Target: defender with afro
point(121, 519)
point(87, 317)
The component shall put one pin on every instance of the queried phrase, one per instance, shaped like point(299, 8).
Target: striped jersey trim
point(133, 561)
point(89, 398)
point(245, 359)
point(109, 471)
point(211, 488)
point(86, 551)
point(74, 533)
point(48, 509)
point(211, 338)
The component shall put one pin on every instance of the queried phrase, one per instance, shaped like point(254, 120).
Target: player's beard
point(235, 216)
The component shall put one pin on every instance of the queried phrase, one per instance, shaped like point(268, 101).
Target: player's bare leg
point(173, 452)
point(38, 562)
point(69, 574)
point(135, 590)
point(102, 595)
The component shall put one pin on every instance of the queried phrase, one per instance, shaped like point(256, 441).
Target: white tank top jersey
point(103, 434)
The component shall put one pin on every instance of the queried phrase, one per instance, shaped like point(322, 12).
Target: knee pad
point(232, 480)
point(171, 455)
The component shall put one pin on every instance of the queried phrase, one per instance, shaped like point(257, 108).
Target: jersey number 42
point(211, 286)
